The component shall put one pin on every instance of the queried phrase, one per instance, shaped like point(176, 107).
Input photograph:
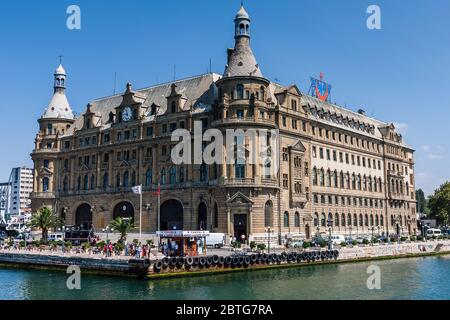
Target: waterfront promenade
point(126, 265)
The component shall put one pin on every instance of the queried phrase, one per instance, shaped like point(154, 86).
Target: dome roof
point(60, 70)
point(242, 14)
point(58, 108)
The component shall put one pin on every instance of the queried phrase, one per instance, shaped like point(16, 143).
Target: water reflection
point(418, 278)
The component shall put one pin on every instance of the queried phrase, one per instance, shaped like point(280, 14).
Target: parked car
point(297, 244)
point(317, 240)
point(56, 237)
point(337, 238)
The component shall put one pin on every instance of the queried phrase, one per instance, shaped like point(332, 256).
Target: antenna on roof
point(115, 83)
point(174, 72)
point(60, 58)
point(210, 65)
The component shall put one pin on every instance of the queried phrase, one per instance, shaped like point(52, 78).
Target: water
point(414, 278)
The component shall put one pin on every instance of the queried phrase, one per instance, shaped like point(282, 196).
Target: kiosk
point(175, 243)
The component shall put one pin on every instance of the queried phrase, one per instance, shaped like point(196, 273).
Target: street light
point(350, 228)
point(330, 228)
point(107, 230)
point(269, 231)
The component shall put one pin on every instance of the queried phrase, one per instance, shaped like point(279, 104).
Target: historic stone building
point(336, 166)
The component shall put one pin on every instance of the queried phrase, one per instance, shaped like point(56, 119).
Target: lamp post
point(330, 228)
point(107, 230)
point(350, 229)
point(268, 230)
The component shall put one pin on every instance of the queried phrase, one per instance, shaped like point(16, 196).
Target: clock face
point(127, 114)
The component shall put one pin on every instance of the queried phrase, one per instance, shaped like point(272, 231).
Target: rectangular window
point(284, 121)
point(314, 152)
point(149, 131)
point(321, 153)
point(173, 127)
point(127, 135)
point(341, 157)
point(334, 155)
point(240, 114)
point(164, 128)
point(182, 125)
point(294, 104)
point(285, 181)
point(328, 155)
point(294, 124)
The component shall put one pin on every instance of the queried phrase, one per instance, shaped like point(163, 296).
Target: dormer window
point(174, 107)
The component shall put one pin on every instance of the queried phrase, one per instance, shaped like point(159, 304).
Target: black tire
point(173, 262)
point(240, 261)
point(336, 254)
point(316, 255)
point(305, 255)
point(202, 262)
point(329, 254)
point(289, 257)
point(284, 256)
point(209, 262)
point(254, 258)
point(166, 262)
point(323, 255)
point(280, 258)
point(235, 262)
point(181, 261)
point(294, 256)
point(158, 266)
point(247, 261)
point(221, 261)
point(189, 262)
point(228, 261)
point(196, 261)
point(215, 259)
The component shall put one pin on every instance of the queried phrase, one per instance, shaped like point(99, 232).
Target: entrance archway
point(123, 209)
point(171, 215)
point(240, 226)
point(202, 217)
point(83, 216)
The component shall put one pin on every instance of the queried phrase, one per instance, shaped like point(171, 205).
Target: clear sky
point(399, 74)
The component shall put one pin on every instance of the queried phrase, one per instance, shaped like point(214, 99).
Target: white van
point(433, 232)
point(215, 240)
point(337, 238)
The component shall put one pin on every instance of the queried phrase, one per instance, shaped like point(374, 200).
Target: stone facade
point(334, 164)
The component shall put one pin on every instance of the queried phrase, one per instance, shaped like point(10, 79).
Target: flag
point(158, 191)
point(137, 189)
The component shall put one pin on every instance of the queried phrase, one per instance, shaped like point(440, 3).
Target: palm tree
point(123, 226)
point(44, 220)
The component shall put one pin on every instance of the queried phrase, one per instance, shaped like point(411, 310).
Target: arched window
point(348, 180)
point(79, 183)
point(321, 178)
point(286, 219)
point(118, 180)
point(239, 169)
point(181, 175)
point(163, 176)
point(105, 181)
point(335, 179)
point(45, 184)
point(355, 220)
point(314, 178)
point(92, 182)
point(375, 184)
point(126, 177)
point(46, 163)
point(353, 182)
point(366, 220)
point(172, 175)
point(203, 172)
point(66, 184)
point(341, 175)
point(328, 179)
point(336, 219)
point(267, 169)
point(268, 213)
point(377, 222)
point(349, 219)
point(316, 219)
point(358, 182)
point(148, 178)
point(381, 220)
point(85, 182)
point(297, 220)
point(133, 178)
point(240, 91)
point(343, 219)
point(323, 222)
point(371, 220)
point(361, 222)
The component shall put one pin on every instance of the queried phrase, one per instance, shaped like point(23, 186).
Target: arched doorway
point(202, 217)
point(83, 216)
point(171, 215)
point(123, 209)
point(268, 214)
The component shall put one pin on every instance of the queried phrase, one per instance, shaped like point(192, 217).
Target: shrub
point(322, 243)
point(150, 242)
point(402, 239)
point(261, 246)
point(419, 238)
point(343, 244)
point(22, 243)
point(306, 245)
point(68, 245)
point(385, 240)
point(119, 246)
point(366, 241)
point(85, 246)
point(100, 244)
point(253, 245)
point(236, 244)
point(413, 238)
point(354, 243)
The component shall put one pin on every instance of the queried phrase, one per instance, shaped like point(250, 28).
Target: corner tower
point(56, 120)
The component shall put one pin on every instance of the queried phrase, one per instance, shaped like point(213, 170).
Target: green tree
point(44, 220)
point(439, 203)
point(422, 202)
point(123, 226)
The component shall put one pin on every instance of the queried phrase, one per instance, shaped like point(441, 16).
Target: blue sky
point(398, 74)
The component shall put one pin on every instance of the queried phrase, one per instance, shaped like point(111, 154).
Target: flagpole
point(140, 215)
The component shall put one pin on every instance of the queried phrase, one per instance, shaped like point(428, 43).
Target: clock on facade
point(127, 114)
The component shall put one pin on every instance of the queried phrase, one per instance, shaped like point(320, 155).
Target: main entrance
point(83, 217)
point(124, 210)
point(171, 216)
point(240, 226)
